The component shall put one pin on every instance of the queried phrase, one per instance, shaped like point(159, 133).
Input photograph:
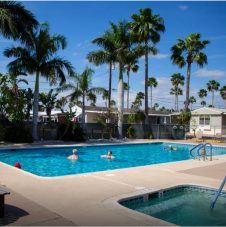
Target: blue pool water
point(54, 162)
point(183, 206)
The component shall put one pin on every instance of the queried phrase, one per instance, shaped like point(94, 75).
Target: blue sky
point(80, 22)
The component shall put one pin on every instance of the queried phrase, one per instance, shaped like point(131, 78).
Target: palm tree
point(41, 59)
point(131, 65)
point(202, 94)
point(203, 103)
point(192, 100)
point(16, 22)
point(61, 103)
point(176, 91)
point(48, 101)
point(223, 94)
point(123, 40)
point(213, 86)
point(177, 79)
point(106, 55)
point(82, 88)
point(152, 82)
point(187, 52)
point(28, 95)
point(146, 27)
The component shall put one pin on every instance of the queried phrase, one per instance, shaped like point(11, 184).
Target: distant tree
point(156, 105)
point(28, 95)
point(177, 80)
point(202, 94)
point(61, 103)
point(186, 52)
point(48, 101)
point(152, 82)
point(223, 94)
point(213, 86)
point(192, 100)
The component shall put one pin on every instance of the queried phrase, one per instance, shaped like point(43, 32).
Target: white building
point(210, 121)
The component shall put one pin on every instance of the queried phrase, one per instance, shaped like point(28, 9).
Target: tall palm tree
point(106, 55)
point(48, 101)
point(122, 38)
point(186, 52)
point(16, 22)
point(177, 80)
point(146, 28)
point(131, 65)
point(176, 91)
point(61, 103)
point(212, 86)
point(152, 82)
point(192, 100)
point(223, 94)
point(202, 94)
point(41, 60)
point(81, 87)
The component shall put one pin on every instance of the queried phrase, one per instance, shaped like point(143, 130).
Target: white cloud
point(160, 56)
point(209, 73)
point(183, 7)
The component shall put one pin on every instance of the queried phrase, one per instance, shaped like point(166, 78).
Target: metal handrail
point(200, 144)
point(218, 193)
point(199, 147)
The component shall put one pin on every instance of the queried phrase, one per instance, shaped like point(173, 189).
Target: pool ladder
point(199, 147)
point(218, 193)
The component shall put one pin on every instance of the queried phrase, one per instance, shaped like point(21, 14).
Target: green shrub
point(18, 133)
point(137, 117)
point(131, 132)
point(71, 132)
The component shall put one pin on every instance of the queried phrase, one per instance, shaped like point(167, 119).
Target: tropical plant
point(131, 132)
point(212, 86)
point(146, 28)
point(48, 101)
point(41, 59)
point(106, 55)
point(138, 101)
point(186, 52)
point(177, 80)
point(203, 103)
point(131, 65)
point(223, 93)
point(61, 103)
point(152, 82)
point(202, 94)
point(192, 100)
point(82, 88)
point(16, 22)
point(176, 91)
point(28, 96)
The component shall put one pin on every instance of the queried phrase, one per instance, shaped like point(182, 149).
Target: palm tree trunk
point(151, 95)
point(35, 108)
point(187, 86)
point(128, 89)
point(212, 98)
point(109, 85)
point(120, 100)
point(146, 84)
point(83, 110)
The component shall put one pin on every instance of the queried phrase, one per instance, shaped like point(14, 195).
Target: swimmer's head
point(170, 146)
point(109, 152)
point(74, 151)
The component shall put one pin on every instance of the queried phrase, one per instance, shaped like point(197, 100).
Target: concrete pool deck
point(91, 199)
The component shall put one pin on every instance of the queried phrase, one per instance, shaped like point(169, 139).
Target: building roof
point(209, 111)
point(126, 111)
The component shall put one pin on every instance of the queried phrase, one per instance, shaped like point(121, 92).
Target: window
point(204, 120)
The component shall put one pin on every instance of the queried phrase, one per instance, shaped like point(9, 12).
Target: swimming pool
point(186, 205)
point(53, 161)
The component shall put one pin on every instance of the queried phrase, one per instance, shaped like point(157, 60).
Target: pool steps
point(199, 147)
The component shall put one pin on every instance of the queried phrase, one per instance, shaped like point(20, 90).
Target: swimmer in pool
point(74, 155)
point(170, 148)
point(108, 155)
